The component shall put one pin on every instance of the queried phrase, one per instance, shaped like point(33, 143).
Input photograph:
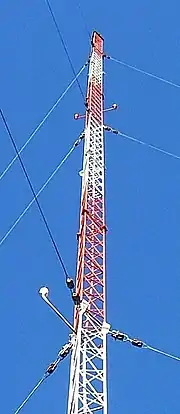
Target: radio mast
point(88, 388)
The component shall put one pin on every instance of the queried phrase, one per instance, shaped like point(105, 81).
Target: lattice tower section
point(88, 388)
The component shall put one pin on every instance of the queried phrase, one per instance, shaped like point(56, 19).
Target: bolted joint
point(104, 227)
point(76, 299)
point(84, 211)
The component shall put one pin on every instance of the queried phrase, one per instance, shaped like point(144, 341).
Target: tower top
point(97, 42)
point(98, 34)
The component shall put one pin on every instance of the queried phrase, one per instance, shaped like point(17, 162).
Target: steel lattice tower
point(88, 388)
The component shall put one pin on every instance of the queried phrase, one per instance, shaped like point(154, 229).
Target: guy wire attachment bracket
point(110, 129)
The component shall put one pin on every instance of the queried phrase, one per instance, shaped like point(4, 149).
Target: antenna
point(88, 388)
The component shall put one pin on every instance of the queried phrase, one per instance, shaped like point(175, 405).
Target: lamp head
point(44, 291)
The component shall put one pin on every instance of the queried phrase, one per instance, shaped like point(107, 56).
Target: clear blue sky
point(143, 199)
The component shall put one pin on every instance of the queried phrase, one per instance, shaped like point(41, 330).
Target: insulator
point(51, 368)
point(82, 135)
point(121, 336)
point(107, 128)
point(137, 343)
point(70, 283)
point(65, 350)
point(118, 335)
point(63, 354)
point(76, 142)
point(115, 131)
point(76, 298)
